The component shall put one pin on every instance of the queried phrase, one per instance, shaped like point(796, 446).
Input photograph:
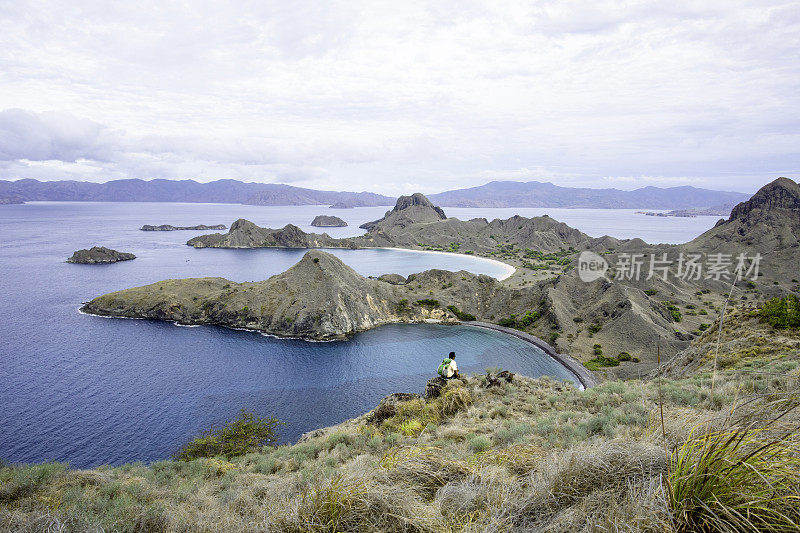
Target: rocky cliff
point(99, 254)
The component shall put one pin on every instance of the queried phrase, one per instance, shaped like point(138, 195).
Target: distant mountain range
point(494, 194)
point(161, 190)
point(539, 194)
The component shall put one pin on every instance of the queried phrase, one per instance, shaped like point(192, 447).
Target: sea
point(89, 391)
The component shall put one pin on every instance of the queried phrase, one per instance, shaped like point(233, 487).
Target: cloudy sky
point(395, 96)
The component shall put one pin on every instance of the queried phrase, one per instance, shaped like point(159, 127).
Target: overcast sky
point(399, 96)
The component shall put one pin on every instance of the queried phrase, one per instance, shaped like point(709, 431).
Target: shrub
point(402, 306)
point(461, 315)
point(674, 312)
point(782, 312)
point(428, 302)
point(245, 433)
point(594, 328)
point(624, 356)
point(600, 361)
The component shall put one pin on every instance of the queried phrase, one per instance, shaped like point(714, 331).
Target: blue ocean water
point(92, 390)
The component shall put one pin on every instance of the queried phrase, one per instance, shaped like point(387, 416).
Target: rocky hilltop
point(326, 221)
point(168, 227)
point(414, 209)
point(99, 254)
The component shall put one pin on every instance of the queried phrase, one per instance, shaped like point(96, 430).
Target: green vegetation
point(430, 303)
point(600, 361)
point(674, 312)
point(781, 312)
point(244, 434)
point(461, 315)
point(735, 480)
point(526, 320)
point(402, 306)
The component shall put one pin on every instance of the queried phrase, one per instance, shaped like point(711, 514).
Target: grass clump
point(244, 434)
point(735, 480)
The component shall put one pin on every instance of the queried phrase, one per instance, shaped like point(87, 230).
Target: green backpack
point(444, 366)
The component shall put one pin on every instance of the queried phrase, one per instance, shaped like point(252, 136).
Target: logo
point(591, 266)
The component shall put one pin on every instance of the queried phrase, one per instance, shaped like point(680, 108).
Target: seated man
point(448, 368)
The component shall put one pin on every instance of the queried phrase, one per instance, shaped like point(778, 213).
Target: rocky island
point(326, 221)
point(99, 255)
point(168, 227)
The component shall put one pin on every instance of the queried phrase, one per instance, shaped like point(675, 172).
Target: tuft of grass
point(736, 480)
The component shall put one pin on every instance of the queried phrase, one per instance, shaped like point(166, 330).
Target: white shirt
point(452, 369)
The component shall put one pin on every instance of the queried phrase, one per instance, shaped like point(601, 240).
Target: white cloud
point(382, 96)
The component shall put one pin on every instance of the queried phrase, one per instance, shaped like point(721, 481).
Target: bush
point(600, 361)
point(461, 315)
point(674, 312)
point(594, 328)
point(428, 302)
point(782, 312)
point(244, 434)
point(624, 356)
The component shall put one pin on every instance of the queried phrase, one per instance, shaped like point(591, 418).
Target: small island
point(99, 255)
point(325, 221)
point(168, 227)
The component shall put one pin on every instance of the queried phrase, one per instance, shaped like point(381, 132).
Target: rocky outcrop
point(99, 255)
point(394, 279)
point(168, 227)
point(414, 209)
point(325, 221)
point(246, 234)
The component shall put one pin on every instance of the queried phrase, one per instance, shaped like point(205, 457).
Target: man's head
point(452, 355)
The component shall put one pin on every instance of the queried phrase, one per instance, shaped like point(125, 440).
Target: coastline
point(583, 374)
point(508, 269)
